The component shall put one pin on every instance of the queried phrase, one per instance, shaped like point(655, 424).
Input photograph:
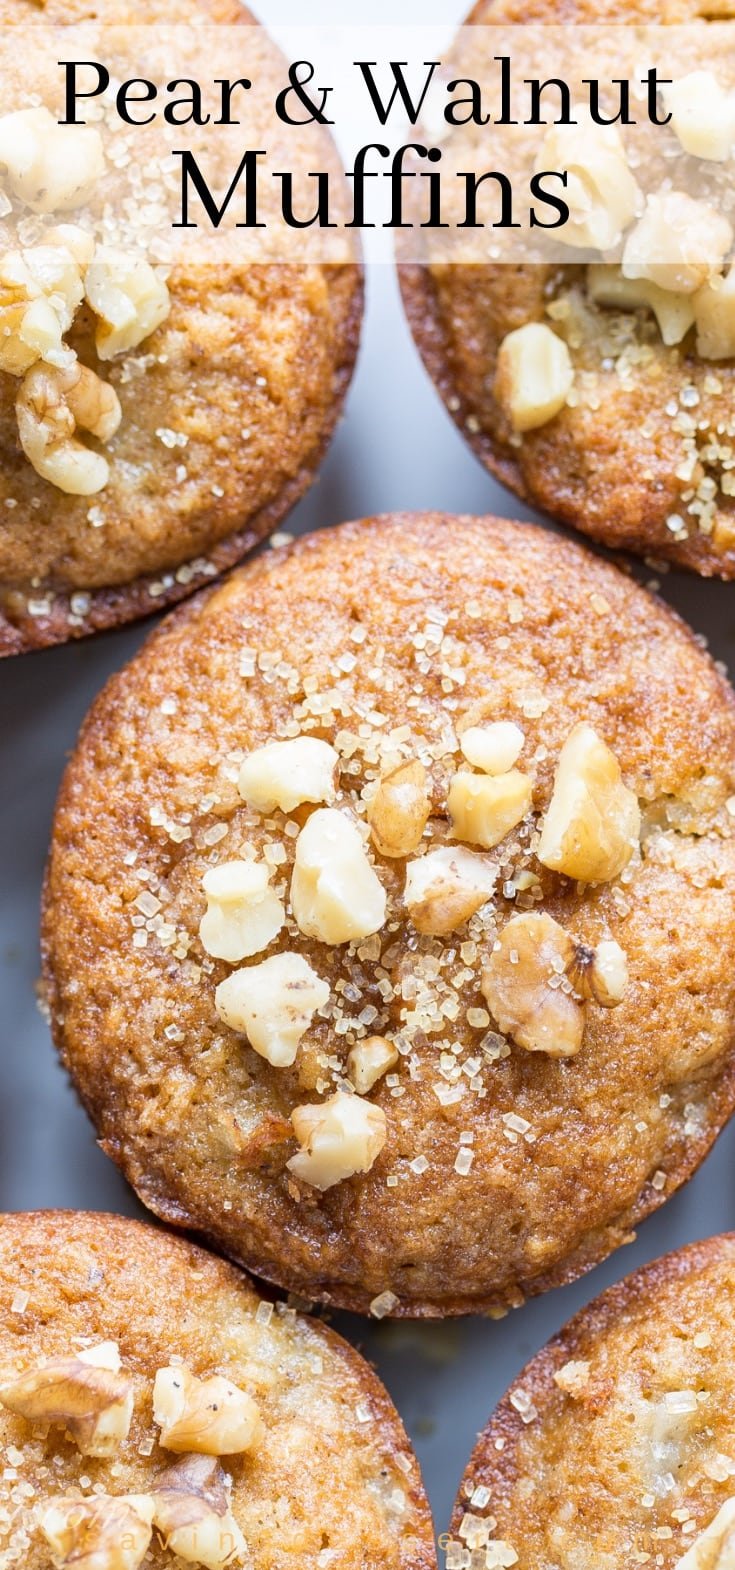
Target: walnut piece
point(714, 313)
point(48, 168)
point(273, 1004)
point(369, 1060)
point(399, 810)
point(523, 984)
point(679, 243)
point(191, 1510)
point(336, 895)
point(714, 1548)
point(106, 1532)
point(600, 974)
point(50, 407)
point(287, 773)
point(40, 291)
point(533, 376)
point(446, 886)
point(86, 1395)
point(601, 192)
point(494, 748)
point(573, 1377)
point(702, 115)
point(210, 1417)
point(338, 1137)
point(129, 298)
point(244, 914)
point(484, 808)
point(593, 820)
point(674, 313)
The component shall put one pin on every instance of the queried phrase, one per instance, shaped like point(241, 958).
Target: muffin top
point(175, 389)
point(153, 1408)
point(618, 1433)
point(434, 809)
point(629, 433)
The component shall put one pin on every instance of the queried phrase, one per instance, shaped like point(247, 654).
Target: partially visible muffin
point(153, 1410)
point(607, 401)
point(196, 383)
point(390, 910)
point(618, 1434)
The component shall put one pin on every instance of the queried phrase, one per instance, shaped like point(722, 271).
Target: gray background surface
point(396, 449)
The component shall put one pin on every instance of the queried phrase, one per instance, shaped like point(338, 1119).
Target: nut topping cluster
point(666, 253)
point(201, 1419)
point(537, 980)
point(43, 286)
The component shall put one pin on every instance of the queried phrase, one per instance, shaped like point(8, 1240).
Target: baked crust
point(588, 1447)
point(228, 410)
point(608, 470)
point(606, 1148)
point(69, 1279)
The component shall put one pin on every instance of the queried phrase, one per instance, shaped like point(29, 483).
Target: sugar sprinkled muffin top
point(388, 913)
point(153, 1410)
point(619, 1433)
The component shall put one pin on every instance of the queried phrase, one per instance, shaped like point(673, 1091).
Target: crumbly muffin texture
point(290, 1450)
point(618, 1434)
point(603, 394)
point(211, 381)
point(389, 912)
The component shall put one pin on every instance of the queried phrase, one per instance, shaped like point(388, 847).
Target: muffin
point(619, 1432)
point(626, 433)
point(154, 1410)
point(390, 909)
point(171, 393)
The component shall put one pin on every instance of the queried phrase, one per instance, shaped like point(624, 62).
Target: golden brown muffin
point(618, 1433)
point(510, 1128)
point(226, 408)
point(296, 1437)
point(640, 457)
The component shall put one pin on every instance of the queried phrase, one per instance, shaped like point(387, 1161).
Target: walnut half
point(191, 1510)
point(103, 1533)
point(86, 1395)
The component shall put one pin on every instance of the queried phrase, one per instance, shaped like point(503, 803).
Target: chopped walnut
point(533, 377)
point(523, 983)
point(593, 820)
point(601, 192)
point(336, 894)
point(286, 773)
point(399, 810)
point(446, 886)
point(714, 313)
point(273, 1004)
point(244, 914)
point(51, 405)
point(369, 1061)
point(702, 115)
point(674, 313)
point(191, 1510)
point(494, 748)
point(107, 1532)
point(600, 974)
point(210, 1417)
point(573, 1377)
point(714, 1548)
point(129, 298)
point(484, 808)
point(86, 1395)
point(338, 1137)
point(40, 290)
point(49, 169)
point(679, 243)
